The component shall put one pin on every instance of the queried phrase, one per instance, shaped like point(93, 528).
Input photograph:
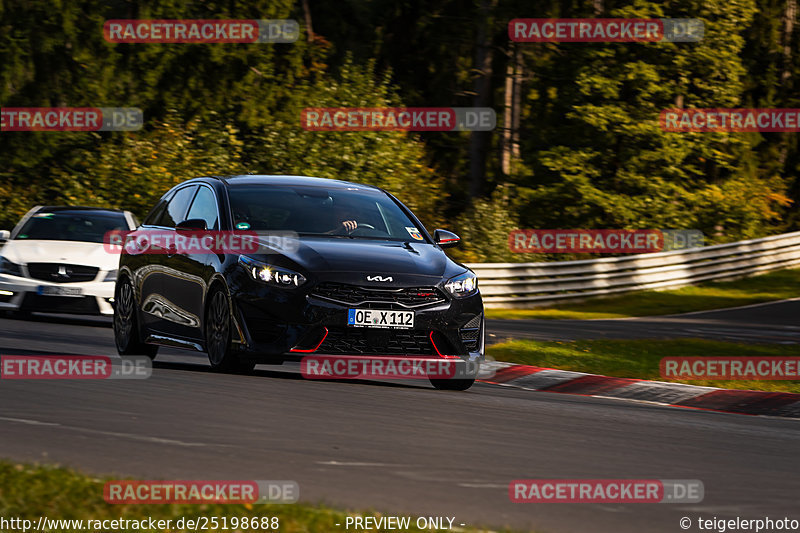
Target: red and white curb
point(748, 402)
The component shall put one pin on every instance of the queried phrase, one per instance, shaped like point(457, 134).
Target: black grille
point(353, 294)
point(61, 273)
point(367, 341)
point(474, 322)
point(470, 332)
point(469, 335)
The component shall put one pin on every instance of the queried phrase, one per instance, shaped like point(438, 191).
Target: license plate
point(378, 318)
point(53, 290)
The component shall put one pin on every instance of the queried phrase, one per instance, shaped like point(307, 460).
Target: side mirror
point(193, 224)
point(4, 235)
point(445, 239)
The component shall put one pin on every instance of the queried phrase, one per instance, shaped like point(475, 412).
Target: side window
point(204, 206)
point(154, 215)
point(176, 207)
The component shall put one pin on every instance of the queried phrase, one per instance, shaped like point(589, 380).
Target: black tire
point(452, 384)
point(218, 336)
point(126, 325)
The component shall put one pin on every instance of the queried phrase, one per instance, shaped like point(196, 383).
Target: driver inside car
point(346, 220)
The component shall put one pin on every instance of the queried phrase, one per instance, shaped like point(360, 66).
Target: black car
point(356, 249)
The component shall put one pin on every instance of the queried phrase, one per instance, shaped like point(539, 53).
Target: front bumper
point(23, 294)
point(287, 324)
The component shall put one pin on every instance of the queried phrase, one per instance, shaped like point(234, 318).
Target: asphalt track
point(404, 448)
point(775, 323)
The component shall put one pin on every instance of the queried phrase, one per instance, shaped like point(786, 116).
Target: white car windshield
point(72, 225)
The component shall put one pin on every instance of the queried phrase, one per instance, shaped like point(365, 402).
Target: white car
point(54, 260)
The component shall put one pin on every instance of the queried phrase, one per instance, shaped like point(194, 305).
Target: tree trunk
point(307, 14)
point(516, 111)
point(508, 112)
point(479, 140)
point(789, 16)
point(511, 109)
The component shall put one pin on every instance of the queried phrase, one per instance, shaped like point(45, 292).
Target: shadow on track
point(16, 351)
point(288, 375)
point(69, 320)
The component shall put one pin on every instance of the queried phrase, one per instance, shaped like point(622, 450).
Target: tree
point(612, 166)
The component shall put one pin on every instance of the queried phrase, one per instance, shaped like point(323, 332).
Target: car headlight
point(462, 285)
point(7, 267)
point(273, 275)
point(111, 276)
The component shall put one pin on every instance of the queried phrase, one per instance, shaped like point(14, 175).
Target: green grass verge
point(28, 492)
point(639, 358)
point(778, 285)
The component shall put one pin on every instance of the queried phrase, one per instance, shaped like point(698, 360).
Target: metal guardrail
point(528, 285)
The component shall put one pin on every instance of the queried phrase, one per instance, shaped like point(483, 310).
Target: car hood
point(332, 258)
point(66, 252)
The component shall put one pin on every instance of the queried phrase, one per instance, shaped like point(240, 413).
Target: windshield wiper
point(407, 246)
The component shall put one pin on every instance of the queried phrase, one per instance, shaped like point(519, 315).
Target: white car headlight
point(272, 275)
point(463, 285)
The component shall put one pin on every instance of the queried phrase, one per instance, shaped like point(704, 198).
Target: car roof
point(306, 181)
point(101, 210)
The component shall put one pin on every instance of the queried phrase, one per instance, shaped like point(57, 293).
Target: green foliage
point(30, 491)
point(134, 170)
point(484, 229)
point(394, 161)
point(619, 169)
point(592, 152)
point(209, 109)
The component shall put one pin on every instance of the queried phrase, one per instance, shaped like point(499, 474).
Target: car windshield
point(81, 226)
point(352, 213)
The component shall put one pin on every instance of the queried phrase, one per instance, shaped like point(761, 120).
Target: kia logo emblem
point(380, 278)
